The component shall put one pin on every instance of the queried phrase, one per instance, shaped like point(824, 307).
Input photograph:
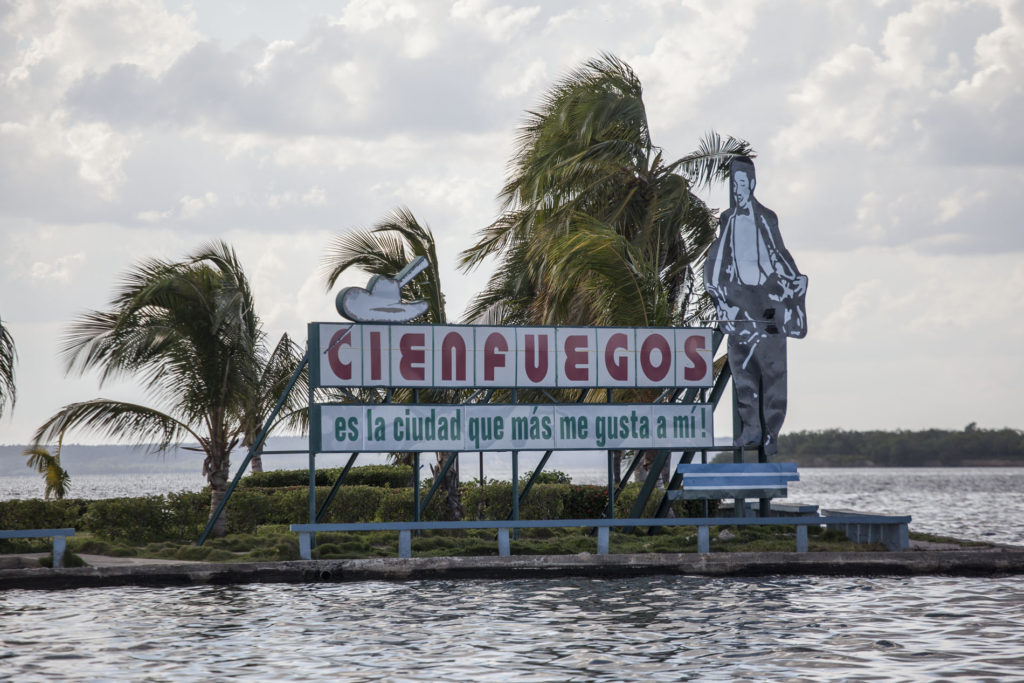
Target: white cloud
point(889, 143)
point(193, 206)
point(367, 15)
point(501, 23)
point(58, 269)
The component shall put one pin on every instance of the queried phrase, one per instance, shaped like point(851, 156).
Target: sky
point(888, 142)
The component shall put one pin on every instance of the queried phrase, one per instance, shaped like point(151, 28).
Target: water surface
point(664, 628)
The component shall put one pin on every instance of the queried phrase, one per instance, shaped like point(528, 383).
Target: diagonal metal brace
point(334, 489)
point(256, 445)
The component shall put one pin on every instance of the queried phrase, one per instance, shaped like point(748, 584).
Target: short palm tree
point(384, 250)
point(188, 331)
point(8, 356)
point(55, 477)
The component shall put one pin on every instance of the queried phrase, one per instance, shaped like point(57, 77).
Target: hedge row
point(390, 476)
point(182, 516)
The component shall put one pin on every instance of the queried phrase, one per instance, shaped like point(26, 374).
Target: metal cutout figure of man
point(759, 295)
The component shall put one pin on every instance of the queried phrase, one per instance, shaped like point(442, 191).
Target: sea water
point(653, 628)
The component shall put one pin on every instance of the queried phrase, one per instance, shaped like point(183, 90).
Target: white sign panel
point(418, 427)
point(459, 356)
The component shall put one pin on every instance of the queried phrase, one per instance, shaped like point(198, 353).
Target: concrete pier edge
point(989, 561)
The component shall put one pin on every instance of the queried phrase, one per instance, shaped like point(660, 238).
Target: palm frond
point(122, 421)
point(8, 358)
point(385, 249)
point(709, 163)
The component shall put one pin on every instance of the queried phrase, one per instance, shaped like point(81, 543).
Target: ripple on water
point(662, 628)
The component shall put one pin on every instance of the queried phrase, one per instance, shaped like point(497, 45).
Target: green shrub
point(548, 477)
point(494, 501)
point(353, 504)
point(387, 476)
point(396, 505)
point(491, 501)
point(187, 513)
point(586, 502)
point(682, 508)
point(35, 513)
point(128, 520)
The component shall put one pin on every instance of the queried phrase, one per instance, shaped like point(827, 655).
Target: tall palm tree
point(385, 249)
point(596, 226)
point(8, 356)
point(188, 331)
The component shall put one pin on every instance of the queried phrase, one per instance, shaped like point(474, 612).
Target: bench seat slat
point(737, 467)
point(688, 494)
point(698, 483)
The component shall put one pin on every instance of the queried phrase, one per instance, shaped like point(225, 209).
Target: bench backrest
point(737, 480)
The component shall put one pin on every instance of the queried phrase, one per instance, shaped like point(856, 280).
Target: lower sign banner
point(514, 427)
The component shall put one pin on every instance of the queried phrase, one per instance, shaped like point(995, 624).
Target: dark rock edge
point(998, 561)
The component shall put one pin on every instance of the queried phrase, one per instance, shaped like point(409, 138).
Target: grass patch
point(70, 560)
point(934, 538)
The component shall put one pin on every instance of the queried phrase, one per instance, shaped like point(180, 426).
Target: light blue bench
point(703, 524)
point(59, 537)
point(716, 481)
point(887, 529)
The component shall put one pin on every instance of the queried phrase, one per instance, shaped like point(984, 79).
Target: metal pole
point(416, 485)
point(337, 485)
point(611, 486)
point(515, 491)
point(312, 487)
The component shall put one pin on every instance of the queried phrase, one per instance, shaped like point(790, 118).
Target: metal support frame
point(438, 479)
point(416, 486)
point(515, 490)
point(455, 456)
point(540, 467)
point(256, 445)
point(334, 489)
point(716, 395)
point(690, 396)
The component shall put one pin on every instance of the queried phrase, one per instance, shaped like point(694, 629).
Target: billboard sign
point(508, 427)
point(473, 356)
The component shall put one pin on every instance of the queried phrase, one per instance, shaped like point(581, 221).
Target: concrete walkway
point(31, 561)
point(989, 560)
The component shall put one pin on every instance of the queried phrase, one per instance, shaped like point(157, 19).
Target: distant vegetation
point(971, 447)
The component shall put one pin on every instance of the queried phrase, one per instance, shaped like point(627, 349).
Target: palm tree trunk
point(217, 471)
point(256, 464)
point(450, 484)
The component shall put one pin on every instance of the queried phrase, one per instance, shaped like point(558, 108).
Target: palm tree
point(55, 477)
point(274, 373)
point(8, 356)
point(385, 249)
point(188, 331)
point(596, 226)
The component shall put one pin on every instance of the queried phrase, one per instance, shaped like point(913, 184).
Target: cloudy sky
point(888, 134)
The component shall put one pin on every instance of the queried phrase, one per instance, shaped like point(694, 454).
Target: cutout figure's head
point(743, 179)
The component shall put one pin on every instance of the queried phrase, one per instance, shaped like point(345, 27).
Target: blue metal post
point(611, 486)
point(312, 487)
point(416, 485)
point(515, 490)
